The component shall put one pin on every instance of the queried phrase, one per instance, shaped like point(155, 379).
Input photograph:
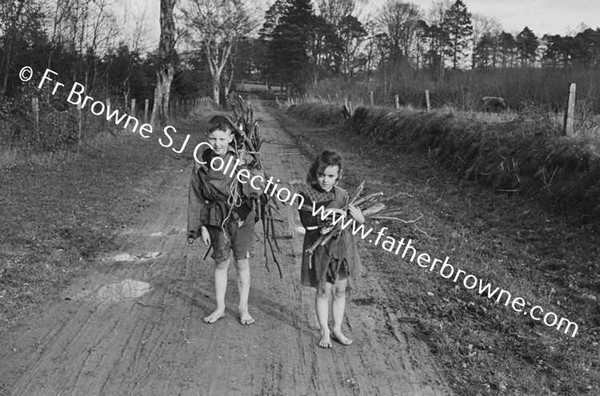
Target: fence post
point(133, 107)
point(36, 113)
point(397, 101)
point(79, 123)
point(570, 112)
point(146, 106)
point(107, 107)
point(427, 101)
point(371, 98)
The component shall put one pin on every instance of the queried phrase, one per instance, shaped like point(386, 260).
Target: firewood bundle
point(247, 143)
point(372, 206)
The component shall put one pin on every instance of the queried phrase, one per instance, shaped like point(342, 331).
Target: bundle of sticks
point(372, 206)
point(248, 141)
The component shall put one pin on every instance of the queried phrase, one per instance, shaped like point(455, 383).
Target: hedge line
point(518, 156)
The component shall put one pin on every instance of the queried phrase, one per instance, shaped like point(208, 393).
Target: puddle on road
point(139, 257)
point(124, 290)
point(124, 257)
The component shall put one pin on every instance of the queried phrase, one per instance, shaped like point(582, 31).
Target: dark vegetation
point(526, 157)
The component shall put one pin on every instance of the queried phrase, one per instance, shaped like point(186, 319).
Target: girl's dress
point(337, 259)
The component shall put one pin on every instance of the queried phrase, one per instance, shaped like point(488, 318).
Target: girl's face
point(328, 177)
point(219, 140)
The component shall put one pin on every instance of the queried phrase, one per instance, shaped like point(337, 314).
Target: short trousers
point(239, 240)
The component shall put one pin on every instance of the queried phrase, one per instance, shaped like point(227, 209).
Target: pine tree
point(288, 49)
point(507, 45)
point(483, 53)
point(458, 28)
point(527, 45)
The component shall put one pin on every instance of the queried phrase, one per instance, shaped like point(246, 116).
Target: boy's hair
point(323, 160)
point(218, 123)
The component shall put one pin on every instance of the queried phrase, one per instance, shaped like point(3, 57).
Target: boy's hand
point(191, 236)
point(205, 236)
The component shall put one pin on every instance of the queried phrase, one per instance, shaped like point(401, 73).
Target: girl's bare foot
point(246, 319)
point(213, 317)
point(325, 341)
point(339, 337)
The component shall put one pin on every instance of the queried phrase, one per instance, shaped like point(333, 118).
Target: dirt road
point(135, 325)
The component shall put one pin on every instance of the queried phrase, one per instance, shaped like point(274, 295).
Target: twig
point(426, 234)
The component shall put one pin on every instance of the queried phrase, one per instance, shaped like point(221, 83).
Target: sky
point(541, 16)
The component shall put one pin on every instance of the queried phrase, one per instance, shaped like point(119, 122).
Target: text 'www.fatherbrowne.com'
point(446, 270)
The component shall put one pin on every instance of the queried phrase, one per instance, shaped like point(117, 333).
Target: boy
point(222, 217)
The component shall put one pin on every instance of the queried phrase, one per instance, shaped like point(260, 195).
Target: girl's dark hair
point(323, 160)
point(220, 123)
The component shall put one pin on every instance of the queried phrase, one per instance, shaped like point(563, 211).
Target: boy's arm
point(197, 209)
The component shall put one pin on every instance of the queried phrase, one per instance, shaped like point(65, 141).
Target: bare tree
point(218, 25)
point(166, 61)
point(491, 27)
point(399, 21)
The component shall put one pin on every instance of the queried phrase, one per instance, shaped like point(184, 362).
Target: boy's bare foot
point(213, 317)
point(246, 319)
point(325, 341)
point(339, 337)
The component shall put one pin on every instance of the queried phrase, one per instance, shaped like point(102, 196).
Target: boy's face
point(219, 140)
point(328, 177)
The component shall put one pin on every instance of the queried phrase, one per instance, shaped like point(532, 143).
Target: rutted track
point(135, 326)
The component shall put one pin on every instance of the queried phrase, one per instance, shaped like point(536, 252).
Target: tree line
point(297, 44)
point(83, 41)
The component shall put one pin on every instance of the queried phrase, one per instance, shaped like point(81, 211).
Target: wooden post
point(371, 98)
point(570, 113)
point(36, 112)
point(107, 106)
point(79, 123)
point(133, 107)
point(427, 101)
point(397, 101)
point(146, 106)
point(350, 109)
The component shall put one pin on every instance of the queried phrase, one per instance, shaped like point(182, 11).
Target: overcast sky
point(541, 16)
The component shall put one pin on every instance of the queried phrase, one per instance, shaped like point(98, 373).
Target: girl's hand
point(326, 230)
point(356, 214)
point(205, 236)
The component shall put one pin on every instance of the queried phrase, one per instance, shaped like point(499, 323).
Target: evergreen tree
point(483, 53)
point(527, 44)
point(458, 28)
point(507, 45)
point(288, 48)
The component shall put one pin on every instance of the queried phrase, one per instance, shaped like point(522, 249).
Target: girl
point(330, 266)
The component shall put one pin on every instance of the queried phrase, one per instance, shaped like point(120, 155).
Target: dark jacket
point(211, 194)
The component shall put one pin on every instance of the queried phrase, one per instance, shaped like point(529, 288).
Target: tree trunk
point(166, 67)
point(216, 85)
